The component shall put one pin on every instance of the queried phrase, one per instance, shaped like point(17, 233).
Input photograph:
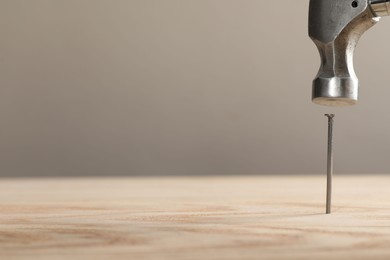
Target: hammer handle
point(380, 7)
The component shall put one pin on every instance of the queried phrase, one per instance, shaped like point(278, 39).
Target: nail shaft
point(329, 164)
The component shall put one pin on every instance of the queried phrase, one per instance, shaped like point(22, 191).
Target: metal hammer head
point(335, 26)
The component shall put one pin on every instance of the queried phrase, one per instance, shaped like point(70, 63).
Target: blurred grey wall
point(178, 87)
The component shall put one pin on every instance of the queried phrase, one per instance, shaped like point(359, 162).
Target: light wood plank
point(271, 217)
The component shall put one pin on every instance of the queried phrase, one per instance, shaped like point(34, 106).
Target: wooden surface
point(194, 218)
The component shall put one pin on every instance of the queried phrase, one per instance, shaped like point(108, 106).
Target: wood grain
point(195, 218)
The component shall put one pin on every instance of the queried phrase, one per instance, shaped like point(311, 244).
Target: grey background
point(178, 87)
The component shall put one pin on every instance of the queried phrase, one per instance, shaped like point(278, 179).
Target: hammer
point(336, 26)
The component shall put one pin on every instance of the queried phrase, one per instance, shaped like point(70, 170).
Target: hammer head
point(335, 26)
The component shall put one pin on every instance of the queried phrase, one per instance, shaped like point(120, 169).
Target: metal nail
point(329, 164)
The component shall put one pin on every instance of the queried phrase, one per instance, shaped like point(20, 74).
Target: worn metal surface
point(336, 26)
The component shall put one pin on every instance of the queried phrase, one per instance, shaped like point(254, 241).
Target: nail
point(329, 164)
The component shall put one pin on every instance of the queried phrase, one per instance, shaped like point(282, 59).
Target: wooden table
point(195, 218)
